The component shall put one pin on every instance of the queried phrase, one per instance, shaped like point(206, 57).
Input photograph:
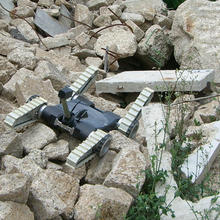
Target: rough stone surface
point(39, 157)
point(29, 3)
point(99, 168)
point(32, 86)
point(65, 21)
point(95, 61)
point(14, 187)
point(45, 3)
point(9, 5)
point(96, 4)
point(25, 166)
point(11, 144)
point(6, 106)
point(163, 80)
point(194, 35)
point(37, 137)
point(163, 21)
point(206, 139)
point(124, 40)
point(13, 210)
point(23, 11)
point(139, 34)
point(7, 69)
point(54, 42)
point(120, 141)
point(98, 200)
point(57, 151)
point(136, 18)
point(23, 57)
point(82, 14)
point(127, 171)
point(117, 9)
point(18, 77)
point(147, 8)
point(102, 20)
point(154, 49)
point(54, 166)
point(53, 193)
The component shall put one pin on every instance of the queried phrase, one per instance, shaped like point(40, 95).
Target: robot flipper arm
point(25, 114)
point(84, 81)
point(97, 142)
point(128, 125)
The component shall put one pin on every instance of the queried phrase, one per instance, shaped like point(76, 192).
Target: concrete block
point(200, 160)
point(164, 80)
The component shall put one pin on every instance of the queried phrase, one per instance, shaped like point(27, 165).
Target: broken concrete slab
point(200, 160)
point(163, 80)
point(64, 13)
point(47, 24)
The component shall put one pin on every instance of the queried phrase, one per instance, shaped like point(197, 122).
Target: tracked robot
point(80, 118)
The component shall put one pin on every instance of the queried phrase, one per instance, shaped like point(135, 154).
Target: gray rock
point(46, 3)
point(96, 4)
point(54, 42)
point(23, 57)
point(47, 70)
point(7, 70)
point(57, 151)
point(124, 40)
point(11, 144)
point(14, 187)
point(94, 61)
point(115, 8)
point(98, 200)
point(77, 173)
point(99, 168)
point(102, 20)
point(136, 18)
point(13, 210)
point(65, 21)
point(29, 3)
point(37, 137)
point(9, 5)
point(6, 106)
point(39, 157)
point(82, 14)
point(3, 25)
point(53, 193)
point(54, 12)
point(18, 77)
point(54, 166)
point(85, 41)
point(25, 166)
point(163, 21)
point(15, 33)
point(147, 8)
point(48, 24)
point(127, 171)
point(154, 49)
point(82, 53)
point(194, 35)
point(23, 11)
point(35, 85)
point(139, 34)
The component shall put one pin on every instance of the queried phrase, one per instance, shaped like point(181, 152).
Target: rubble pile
point(44, 46)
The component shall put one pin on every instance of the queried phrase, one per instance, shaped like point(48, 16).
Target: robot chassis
point(78, 116)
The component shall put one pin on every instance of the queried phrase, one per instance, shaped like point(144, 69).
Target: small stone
point(99, 168)
point(102, 20)
point(136, 18)
point(54, 166)
point(82, 14)
point(127, 171)
point(85, 41)
point(11, 144)
point(96, 4)
point(29, 3)
point(124, 40)
point(82, 53)
point(136, 30)
point(98, 200)
point(78, 173)
point(14, 187)
point(65, 19)
point(53, 193)
point(120, 141)
point(39, 157)
point(34, 85)
point(37, 136)
point(13, 210)
point(22, 11)
point(54, 12)
point(54, 42)
point(57, 151)
point(7, 70)
point(94, 61)
point(46, 3)
point(23, 57)
point(115, 8)
point(163, 21)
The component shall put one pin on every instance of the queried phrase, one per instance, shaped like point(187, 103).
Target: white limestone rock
point(29, 3)
point(53, 193)
point(57, 151)
point(14, 187)
point(11, 144)
point(37, 136)
point(95, 61)
point(96, 4)
point(98, 200)
point(13, 210)
point(83, 14)
point(124, 40)
point(102, 20)
point(23, 11)
point(136, 18)
point(139, 34)
point(206, 140)
point(39, 157)
point(195, 36)
point(127, 171)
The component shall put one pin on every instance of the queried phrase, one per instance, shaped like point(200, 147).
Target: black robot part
point(84, 119)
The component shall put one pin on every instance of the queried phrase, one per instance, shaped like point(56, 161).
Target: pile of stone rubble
point(45, 45)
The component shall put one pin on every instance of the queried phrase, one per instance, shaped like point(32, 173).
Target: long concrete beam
point(163, 80)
